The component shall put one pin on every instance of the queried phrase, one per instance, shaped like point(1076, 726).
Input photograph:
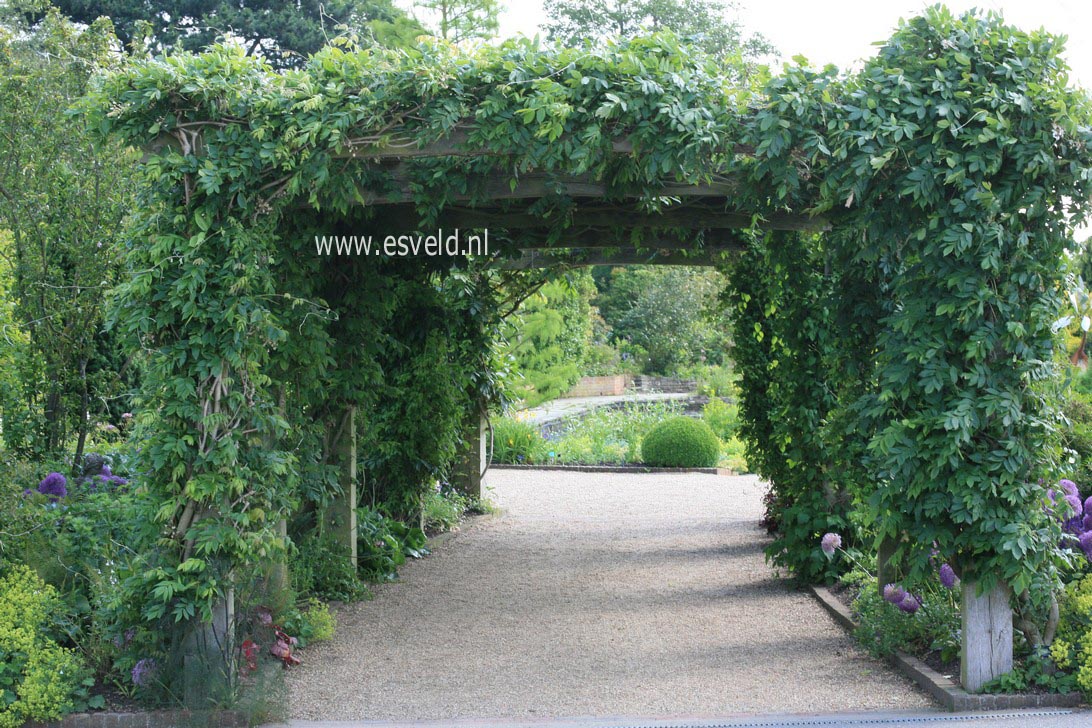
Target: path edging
point(945, 690)
point(628, 469)
point(150, 719)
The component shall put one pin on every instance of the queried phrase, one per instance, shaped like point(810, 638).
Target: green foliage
point(384, 544)
point(460, 20)
point(893, 368)
point(1077, 436)
point(38, 678)
point(958, 195)
point(734, 456)
point(62, 201)
point(312, 623)
point(722, 418)
point(283, 33)
point(610, 435)
point(669, 312)
point(516, 441)
point(550, 337)
point(443, 508)
point(784, 348)
point(884, 628)
point(319, 568)
point(681, 442)
point(1072, 647)
point(705, 21)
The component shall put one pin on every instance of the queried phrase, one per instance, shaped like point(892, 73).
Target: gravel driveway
point(594, 595)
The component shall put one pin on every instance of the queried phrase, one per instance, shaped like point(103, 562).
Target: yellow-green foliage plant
point(37, 676)
point(1072, 648)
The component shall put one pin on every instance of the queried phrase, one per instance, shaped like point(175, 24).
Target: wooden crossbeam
point(537, 184)
point(696, 217)
point(533, 259)
point(455, 144)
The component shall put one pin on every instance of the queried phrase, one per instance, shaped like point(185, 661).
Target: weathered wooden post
point(987, 635)
point(472, 463)
point(208, 657)
point(340, 515)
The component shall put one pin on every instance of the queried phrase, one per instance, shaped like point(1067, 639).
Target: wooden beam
point(534, 185)
point(189, 138)
point(533, 259)
point(650, 240)
point(694, 217)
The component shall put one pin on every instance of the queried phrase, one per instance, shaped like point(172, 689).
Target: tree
point(62, 201)
point(550, 337)
point(284, 33)
point(704, 21)
point(459, 20)
point(666, 311)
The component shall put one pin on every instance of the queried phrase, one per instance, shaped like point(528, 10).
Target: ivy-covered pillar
point(959, 160)
point(340, 515)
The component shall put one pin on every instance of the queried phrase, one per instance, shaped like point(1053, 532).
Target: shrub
point(722, 418)
point(383, 544)
point(315, 623)
point(318, 566)
point(443, 508)
point(1072, 647)
point(610, 435)
point(681, 442)
point(515, 441)
point(735, 457)
point(38, 677)
point(1077, 435)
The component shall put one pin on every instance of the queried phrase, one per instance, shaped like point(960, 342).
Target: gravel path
point(594, 595)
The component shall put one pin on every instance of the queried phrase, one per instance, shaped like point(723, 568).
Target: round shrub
point(681, 442)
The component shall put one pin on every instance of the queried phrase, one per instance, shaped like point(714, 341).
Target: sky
point(842, 31)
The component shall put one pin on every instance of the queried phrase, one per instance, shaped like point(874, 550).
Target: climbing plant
point(895, 360)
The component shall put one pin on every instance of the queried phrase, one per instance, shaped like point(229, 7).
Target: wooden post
point(278, 577)
point(987, 635)
point(208, 661)
point(472, 464)
point(341, 514)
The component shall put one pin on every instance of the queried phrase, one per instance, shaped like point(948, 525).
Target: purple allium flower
point(53, 485)
point(1086, 522)
point(1075, 506)
point(893, 593)
point(106, 471)
point(909, 604)
point(947, 576)
point(144, 672)
point(1068, 487)
point(831, 542)
point(27, 491)
point(1085, 540)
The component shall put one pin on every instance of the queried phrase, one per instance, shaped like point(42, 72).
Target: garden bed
point(944, 688)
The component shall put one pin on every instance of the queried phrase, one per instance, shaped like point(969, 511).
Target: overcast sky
point(842, 31)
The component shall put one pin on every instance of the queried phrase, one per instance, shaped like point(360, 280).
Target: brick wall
point(599, 386)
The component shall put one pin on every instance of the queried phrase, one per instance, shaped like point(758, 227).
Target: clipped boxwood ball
point(681, 442)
